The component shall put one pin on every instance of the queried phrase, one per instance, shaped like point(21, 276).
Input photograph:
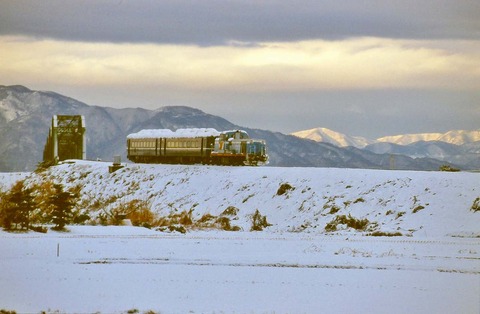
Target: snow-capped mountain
point(329, 136)
point(459, 147)
point(457, 137)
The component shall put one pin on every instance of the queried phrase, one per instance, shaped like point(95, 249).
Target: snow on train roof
point(167, 133)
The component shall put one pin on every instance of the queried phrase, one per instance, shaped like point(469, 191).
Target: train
point(196, 146)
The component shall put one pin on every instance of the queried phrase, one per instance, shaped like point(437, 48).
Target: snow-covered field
point(293, 266)
point(115, 269)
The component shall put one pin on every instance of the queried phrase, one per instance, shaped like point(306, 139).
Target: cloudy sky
point(370, 68)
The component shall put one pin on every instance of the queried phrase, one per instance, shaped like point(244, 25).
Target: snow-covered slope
point(412, 203)
point(332, 137)
point(457, 137)
point(405, 139)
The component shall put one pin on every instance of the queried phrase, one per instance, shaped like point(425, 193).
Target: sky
point(366, 68)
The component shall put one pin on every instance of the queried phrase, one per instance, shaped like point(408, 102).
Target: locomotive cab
point(257, 152)
point(237, 148)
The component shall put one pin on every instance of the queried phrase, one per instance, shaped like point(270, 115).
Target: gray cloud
point(382, 109)
point(217, 21)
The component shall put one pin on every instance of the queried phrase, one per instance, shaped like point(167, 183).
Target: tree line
point(24, 206)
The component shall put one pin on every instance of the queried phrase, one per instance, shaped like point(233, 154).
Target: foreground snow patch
point(115, 269)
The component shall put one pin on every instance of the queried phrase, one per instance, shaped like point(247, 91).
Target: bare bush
point(138, 211)
point(385, 234)
point(359, 200)
point(259, 221)
point(351, 222)
point(476, 205)
point(417, 209)
point(230, 211)
point(183, 218)
point(284, 188)
point(334, 209)
point(208, 221)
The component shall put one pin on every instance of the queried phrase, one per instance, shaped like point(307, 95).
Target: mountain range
point(460, 147)
point(25, 118)
point(457, 137)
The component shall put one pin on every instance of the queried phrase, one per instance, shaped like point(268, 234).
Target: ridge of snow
point(387, 198)
point(405, 139)
point(180, 133)
point(333, 137)
point(457, 137)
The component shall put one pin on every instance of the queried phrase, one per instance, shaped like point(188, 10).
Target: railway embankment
point(269, 199)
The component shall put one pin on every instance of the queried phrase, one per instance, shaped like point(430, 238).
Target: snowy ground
point(115, 269)
point(294, 266)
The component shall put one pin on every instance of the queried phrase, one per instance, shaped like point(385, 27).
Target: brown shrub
point(476, 205)
point(351, 222)
point(259, 221)
point(138, 211)
point(284, 188)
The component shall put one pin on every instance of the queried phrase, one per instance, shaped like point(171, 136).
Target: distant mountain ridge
point(329, 136)
point(459, 147)
point(457, 137)
point(25, 118)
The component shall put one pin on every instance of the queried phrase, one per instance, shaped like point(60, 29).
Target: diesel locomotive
point(194, 146)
